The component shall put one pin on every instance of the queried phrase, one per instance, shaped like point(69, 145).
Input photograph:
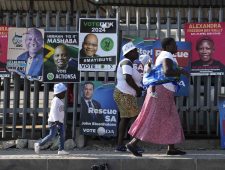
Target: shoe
point(139, 149)
point(36, 148)
point(63, 152)
point(133, 150)
point(175, 152)
point(121, 148)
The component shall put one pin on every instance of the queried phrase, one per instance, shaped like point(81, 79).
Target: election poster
point(222, 120)
point(207, 47)
point(98, 44)
point(99, 112)
point(182, 57)
point(25, 52)
point(3, 51)
point(144, 47)
point(61, 57)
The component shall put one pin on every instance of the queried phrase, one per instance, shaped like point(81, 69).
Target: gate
point(24, 104)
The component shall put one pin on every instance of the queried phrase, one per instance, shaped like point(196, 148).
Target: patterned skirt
point(126, 103)
point(158, 121)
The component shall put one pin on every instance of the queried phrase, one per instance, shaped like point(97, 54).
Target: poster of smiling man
point(99, 113)
point(25, 52)
point(60, 61)
point(98, 44)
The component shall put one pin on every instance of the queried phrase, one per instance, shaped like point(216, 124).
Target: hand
point(184, 72)
point(139, 92)
point(57, 123)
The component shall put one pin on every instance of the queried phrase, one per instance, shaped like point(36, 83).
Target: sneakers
point(121, 148)
point(36, 148)
point(63, 152)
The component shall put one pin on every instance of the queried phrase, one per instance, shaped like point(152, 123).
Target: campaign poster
point(222, 120)
point(3, 51)
point(61, 57)
point(182, 56)
point(144, 46)
point(25, 52)
point(98, 44)
point(99, 112)
point(207, 47)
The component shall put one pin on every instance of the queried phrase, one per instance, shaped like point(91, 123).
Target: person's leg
point(134, 142)
point(52, 133)
point(122, 129)
point(61, 136)
point(61, 150)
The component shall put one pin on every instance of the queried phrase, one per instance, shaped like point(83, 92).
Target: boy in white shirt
point(55, 120)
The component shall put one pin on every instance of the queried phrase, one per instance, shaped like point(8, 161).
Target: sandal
point(133, 150)
point(175, 152)
point(121, 148)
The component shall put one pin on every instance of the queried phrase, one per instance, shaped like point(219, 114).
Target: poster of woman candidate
point(3, 51)
point(25, 52)
point(207, 49)
point(98, 44)
point(99, 113)
point(60, 57)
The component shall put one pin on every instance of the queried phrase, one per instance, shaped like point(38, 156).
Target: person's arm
point(170, 72)
point(129, 79)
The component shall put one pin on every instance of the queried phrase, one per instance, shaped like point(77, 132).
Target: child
point(55, 120)
point(148, 64)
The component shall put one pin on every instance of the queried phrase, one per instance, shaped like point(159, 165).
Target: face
point(90, 45)
point(88, 91)
point(133, 54)
point(61, 95)
point(205, 50)
point(34, 41)
point(172, 47)
point(60, 57)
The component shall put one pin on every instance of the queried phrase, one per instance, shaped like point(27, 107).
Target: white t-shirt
point(121, 82)
point(159, 60)
point(57, 110)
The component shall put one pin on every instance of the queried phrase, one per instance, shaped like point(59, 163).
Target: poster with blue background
point(144, 46)
point(99, 112)
point(183, 57)
point(222, 120)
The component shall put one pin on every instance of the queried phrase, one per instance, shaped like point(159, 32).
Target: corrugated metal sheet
point(163, 3)
point(91, 5)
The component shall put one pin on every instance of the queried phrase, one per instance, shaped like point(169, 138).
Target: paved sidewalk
point(22, 159)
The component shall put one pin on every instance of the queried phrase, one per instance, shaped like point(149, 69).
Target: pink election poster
point(3, 47)
point(208, 49)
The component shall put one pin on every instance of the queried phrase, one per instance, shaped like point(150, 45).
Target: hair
point(166, 41)
point(204, 38)
point(36, 31)
point(62, 46)
point(85, 38)
point(88, 82)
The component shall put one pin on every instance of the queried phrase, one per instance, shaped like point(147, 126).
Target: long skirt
point(158, 122)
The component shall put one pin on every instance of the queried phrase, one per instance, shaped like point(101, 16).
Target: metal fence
point(24, 105)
